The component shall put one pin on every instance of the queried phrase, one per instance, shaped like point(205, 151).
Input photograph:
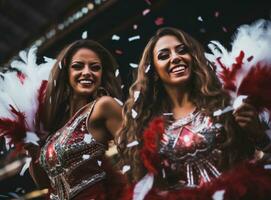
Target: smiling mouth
point(86, 81)
point(178, 69)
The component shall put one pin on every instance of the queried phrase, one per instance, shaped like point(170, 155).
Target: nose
point(86, 70)
point(175, 58)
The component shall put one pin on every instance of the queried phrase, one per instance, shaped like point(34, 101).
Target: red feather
point(257, 86)
point(14, 129)
point(228, 75)
point(41, 94)
point(151, 139)
point(246, 181)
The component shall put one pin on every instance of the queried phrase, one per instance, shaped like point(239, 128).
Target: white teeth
point(86, 81)
point(176, 69)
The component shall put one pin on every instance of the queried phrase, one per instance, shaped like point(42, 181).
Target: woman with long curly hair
point(184, 146)
point(81, 116)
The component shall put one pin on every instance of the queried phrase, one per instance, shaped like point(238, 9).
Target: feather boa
point(21, 93)
point(246, 69)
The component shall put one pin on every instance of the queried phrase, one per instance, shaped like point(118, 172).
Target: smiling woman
point(80, 116)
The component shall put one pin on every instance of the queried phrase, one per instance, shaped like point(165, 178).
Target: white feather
point(143, 187)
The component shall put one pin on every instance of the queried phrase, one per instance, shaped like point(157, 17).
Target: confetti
point(167, 114)
point(84, 35)
point(148, 2)
point(97, 1)
point(200, 18)
point(125, 168)
point(99, 163)
point(137, 37)
point(267, 166)
point(159, 21)
point(135, 26)
point(147, 68)
point(90, 6)
point(86, 156)
point(134, 113)
point(218, 195)
point(145, 12)
point(87, 138)
point(136, 95)
point(131, 144)
point(133, 65)
point(117, 51)
point(117, 72)
point(60, 65)
point(26, 166)
point(115, 37)
point(122, 86)
point(216, 14)
point(224, 29)
point(163, 173)
point(118, 101)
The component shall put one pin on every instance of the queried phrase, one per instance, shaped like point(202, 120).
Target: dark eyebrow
point(177, 46)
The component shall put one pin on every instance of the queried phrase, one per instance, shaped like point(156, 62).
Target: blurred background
point(122, 26)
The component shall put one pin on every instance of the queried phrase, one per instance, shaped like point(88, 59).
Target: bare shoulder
point(107, 105)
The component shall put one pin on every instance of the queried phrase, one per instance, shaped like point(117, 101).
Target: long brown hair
point(58, 91)
point(205, 92)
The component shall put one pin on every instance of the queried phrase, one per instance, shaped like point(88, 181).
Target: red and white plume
point(21, 91)
point(246, 69)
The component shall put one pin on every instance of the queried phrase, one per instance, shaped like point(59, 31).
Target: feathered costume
point(21, 92)
point(191, 150)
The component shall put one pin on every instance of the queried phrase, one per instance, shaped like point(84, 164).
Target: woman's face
point(85, 72)
point(172, 61)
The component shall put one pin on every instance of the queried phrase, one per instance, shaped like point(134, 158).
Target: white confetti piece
point(134, 113)
point(87, 138)
point(118, 101)
point(133, 65)
point(147, 68)
point(117, 72)
point(145, 12)
point(167, 114)
point(86, 156)
point(60, 65)
point(31, 137)
point(267, 166)
point(135, 26)
point(136, 95)
point(125, 169)
point(84, 35)
point(26, 166)
point(200, 18)
point(99, 163)
point(218, 195)
point(131, 144)
point(122, 86)
point(115, 37)
point(137, 37)
point(163, 173)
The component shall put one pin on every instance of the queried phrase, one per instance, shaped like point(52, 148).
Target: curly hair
point(205, 92)
point(59, 91)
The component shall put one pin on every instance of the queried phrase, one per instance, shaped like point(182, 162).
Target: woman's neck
point(181, 105)
point(76, 103)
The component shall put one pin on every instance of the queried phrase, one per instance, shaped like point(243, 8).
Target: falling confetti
point(117, 72)
point(145, 12)
point(147, 68)
point(131, 144)
point(218, 195)
point(135, 26)
point(216, 14)
point(60, 65)
point(167, 114)
point(84, 35)
point(133, 65)
point(118, 101)
point(134, 113)
point(137, 37)
point(87, 138)
point(224, 29)
point(86, 156)
point(26, 166)
point(125, 168)
point(200, 18)
point(115, 37)
point(122, 86)
point(119, 52)
point(136, 95)
point(148, 2)
point(99, 163)
point(159, 21)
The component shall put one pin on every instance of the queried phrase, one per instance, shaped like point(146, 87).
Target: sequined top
point(190, 150)
point(72, 157)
